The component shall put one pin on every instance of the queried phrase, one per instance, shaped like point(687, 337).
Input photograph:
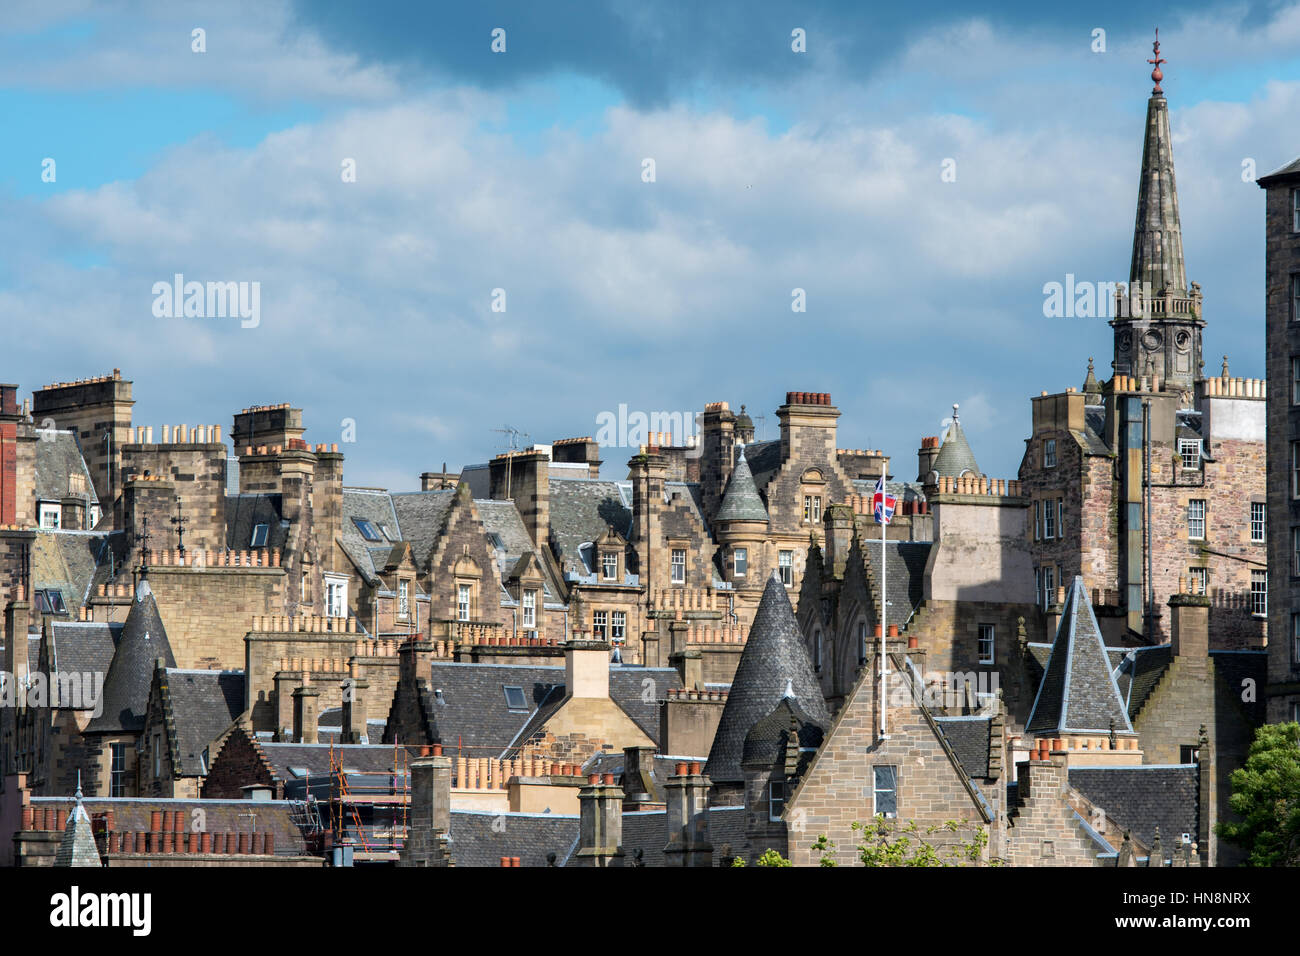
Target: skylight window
point(259, 536)
point(367, 529)
point(496, 541)
point(515, 699)
point(388, 532)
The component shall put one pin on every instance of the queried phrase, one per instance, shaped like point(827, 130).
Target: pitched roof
point(83, 647)
point(1141, 798)
point(58, 460)
point(955, 457)
point(245, 512)
point(741, 501)
point(969, 739)
point(767, 739)
point(130, 675)
point(203, 706)
point(1290, 171)
point(1138, 671)
point(77, 847)
point(905, 581)
point(420, 517)
point(581, 509)
point(68, 561)
point(369, 557)
point(478, 838)
point(774, 657)
point(764, 459)
point(1078, 692)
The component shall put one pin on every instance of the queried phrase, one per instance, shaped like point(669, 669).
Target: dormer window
point(530, 609)
point(259, 536)
point(1189, 450)
point(50, 516)
point(367, 529)
point(403, 599)
point(609, 566)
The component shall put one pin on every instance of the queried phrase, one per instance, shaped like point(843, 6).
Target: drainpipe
point(1146, 517)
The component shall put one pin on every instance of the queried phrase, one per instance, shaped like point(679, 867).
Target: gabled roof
point(774, 657)
point(741, 501)
point(969, 739)
point(764, 459)
point(245, 512)
point(69, 561)
point(201, 706)
point(420, 517)
point(58, 460)
point(84, 647)
point(126, 688)
point(376, 507)
point(1289, 172)
point(581, 509)
point(767, 740)
point(1078, 693)
point(905, 580)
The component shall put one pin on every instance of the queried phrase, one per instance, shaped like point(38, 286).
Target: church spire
point(1157, 235)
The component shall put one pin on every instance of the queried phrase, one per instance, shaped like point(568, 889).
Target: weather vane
point(1156, 75)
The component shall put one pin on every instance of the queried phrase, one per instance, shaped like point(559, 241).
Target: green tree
point(1266, 796)
point(886, 842)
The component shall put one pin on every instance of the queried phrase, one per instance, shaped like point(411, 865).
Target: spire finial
point(1089, 364)
point(1156, 75)
point(78, 786)
point(789, 689)
point(955, 406)
point(1225, 366)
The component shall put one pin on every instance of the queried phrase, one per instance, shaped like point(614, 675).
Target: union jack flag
point(883, 503)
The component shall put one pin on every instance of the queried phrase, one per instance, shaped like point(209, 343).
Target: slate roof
point(77, 847)
point(648, 832)
point(1139, 799)
point(581, 511)
point(502, 518)
point(1094, 421)
point(905, 583)
point(132, 814)
point(68, 561)
point(204, 705)
point(774, 656)
point(130, 675)
point(741, 501)
point(58, 457)
point(84, 648)
point(661, 768)
point(676, 523)
point(955, 457)
point(475, 841)
point(1078, 692)
point(969, 739)
point(1290, 170)
point(1137, 672)
point(420, 517)
point(764, 459)
point(369, 557)
point(292, 761)
point(246, 512)
point(766, 741)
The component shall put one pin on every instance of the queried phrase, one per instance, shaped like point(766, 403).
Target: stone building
point(1155, 474)
point(1282, 346)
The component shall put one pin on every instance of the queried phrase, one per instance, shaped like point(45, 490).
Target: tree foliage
point(1266, 796)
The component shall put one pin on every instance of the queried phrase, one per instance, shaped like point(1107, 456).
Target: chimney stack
point(305, 699)
point(687, 793)
point(600, 828)
point(426, 839)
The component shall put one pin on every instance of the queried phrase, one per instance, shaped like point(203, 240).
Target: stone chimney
point(648, 472)
point(638, 785)
point(354, 711)
point(687, 796)
point(586, 668)
point(524, 478)
point(839, 538)
point(689, 661)
point(1055, 608)
point(600, 828)
point(426, 840)
point(17, 622)
point(717, 453)
point(1189, 628)
point(925, 457)
point(808, 422)
point(305, 702)
point(578, 451)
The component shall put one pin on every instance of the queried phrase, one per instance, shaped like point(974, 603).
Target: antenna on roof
point(515, 436)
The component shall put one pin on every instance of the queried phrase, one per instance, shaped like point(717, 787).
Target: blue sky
point(522, 171)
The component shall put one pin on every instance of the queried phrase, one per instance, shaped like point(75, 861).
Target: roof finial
point(1156, 75)
point(78, 786)
point(1089, 364)
point(789, 689)
point(1225, 366)
point(954, 413)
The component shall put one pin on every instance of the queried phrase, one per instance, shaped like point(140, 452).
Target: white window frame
point(775, 800)
point(739, 562)
point(1038, 520)
point(877, 790)
point(403, 600)
point(1049, 584)
point(336, 596)
point(1049, 453)
point(1189, 453)
point(1198, 580)
point(609, 566)
point(617, 627)
point(678, 566)
point(265, 529)
point(1197, 519)
point(785, 563)
point(95, 515)
point(530, 609)
point(464, 601)
point(1258, 525)
point(50, 516)
point(1259, 592)
point(1295, 210)
point(1295, 297)
point(1295, 552)
point(599, 625)
point(1049, 520)
point(1295, 469)
point(117, 770)
point(987, 643)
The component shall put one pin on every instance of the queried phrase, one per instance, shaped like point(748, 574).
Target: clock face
point(1151, 340)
